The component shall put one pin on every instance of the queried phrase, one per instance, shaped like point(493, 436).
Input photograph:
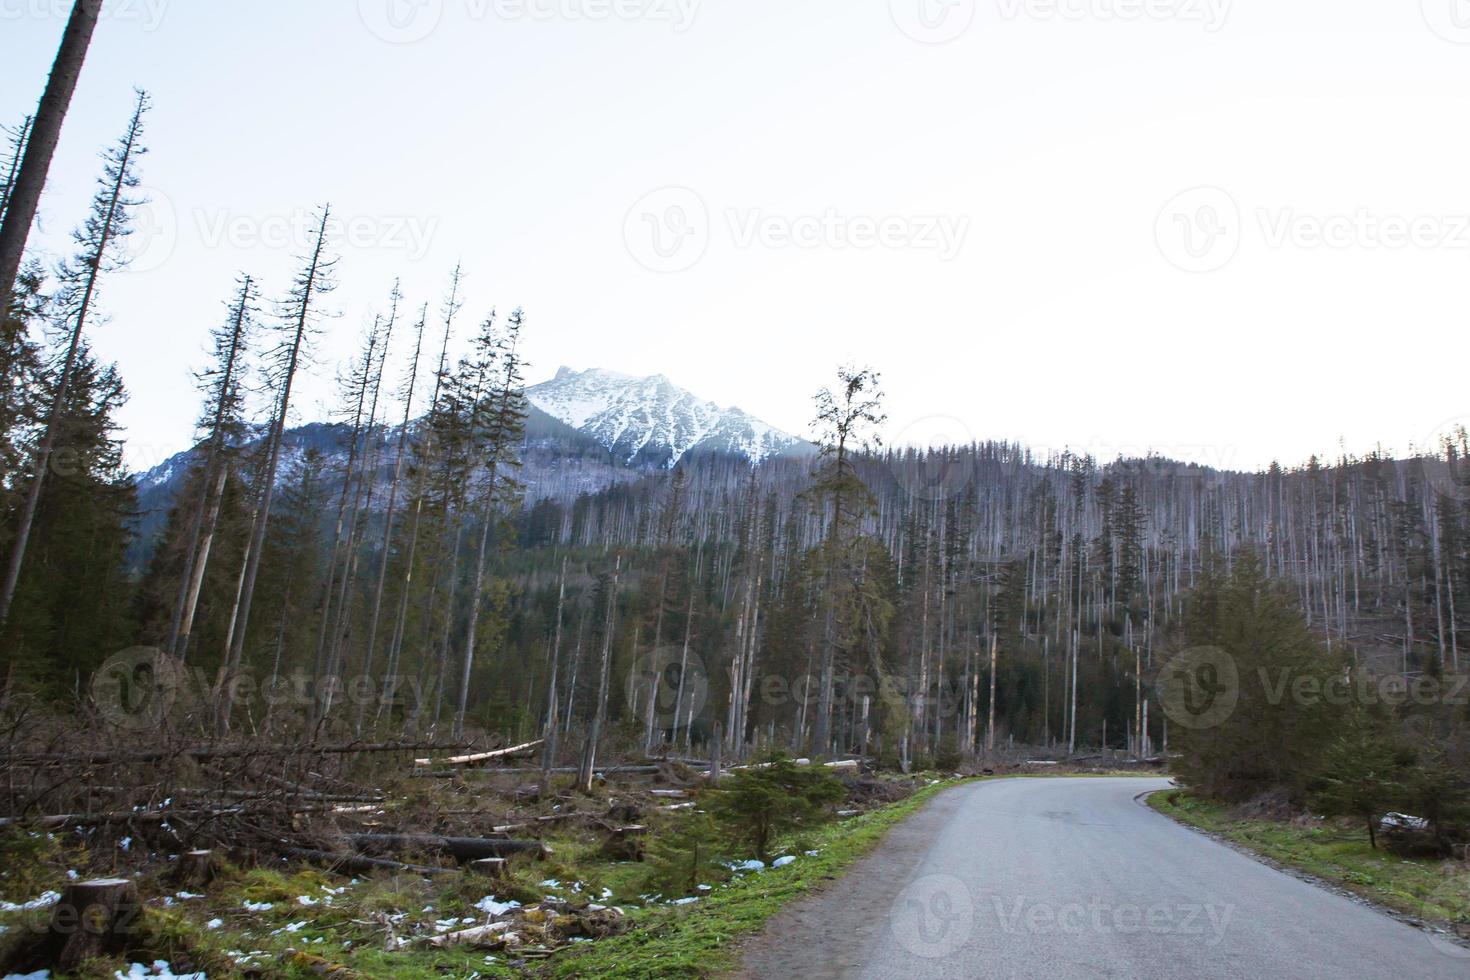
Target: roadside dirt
point(855, 906)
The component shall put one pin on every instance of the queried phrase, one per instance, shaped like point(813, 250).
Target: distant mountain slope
point(653, 421)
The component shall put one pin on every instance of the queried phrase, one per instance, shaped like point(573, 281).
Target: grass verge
point(1432, 890)
point(696, 940)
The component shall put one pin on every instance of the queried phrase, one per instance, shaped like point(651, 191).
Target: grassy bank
point(1433, 890)
point(695, 940)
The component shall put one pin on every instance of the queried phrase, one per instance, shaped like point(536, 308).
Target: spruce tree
point(99, 242)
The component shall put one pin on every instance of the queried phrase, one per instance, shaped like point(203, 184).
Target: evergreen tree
point(99, 241)
point(1282, 718)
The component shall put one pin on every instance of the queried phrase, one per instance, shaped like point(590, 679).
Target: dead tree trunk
point(589, 756)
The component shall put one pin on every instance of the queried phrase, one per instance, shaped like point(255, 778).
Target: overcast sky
point(1225, 231)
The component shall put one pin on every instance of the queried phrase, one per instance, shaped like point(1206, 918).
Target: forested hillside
point(461, 561)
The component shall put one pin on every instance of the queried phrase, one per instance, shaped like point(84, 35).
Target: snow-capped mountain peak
point(653, 419)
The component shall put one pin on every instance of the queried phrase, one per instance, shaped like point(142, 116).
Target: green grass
point(1337, 853)
point(696, 940)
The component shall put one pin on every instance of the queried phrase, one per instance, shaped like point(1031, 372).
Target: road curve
point(1066, 878)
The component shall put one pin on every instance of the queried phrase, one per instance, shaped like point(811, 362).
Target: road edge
point(1435, 926)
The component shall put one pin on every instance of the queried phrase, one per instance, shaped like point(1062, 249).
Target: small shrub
point(755, 805)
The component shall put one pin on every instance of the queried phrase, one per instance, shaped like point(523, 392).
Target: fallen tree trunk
point(464, 760)
point(560, 770)
point(462, 849)
point(216, 752)
point(360, 863)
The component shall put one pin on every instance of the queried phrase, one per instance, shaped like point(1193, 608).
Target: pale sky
point(1224, 231)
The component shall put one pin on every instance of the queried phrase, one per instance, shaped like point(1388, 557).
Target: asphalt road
point(1067, 878)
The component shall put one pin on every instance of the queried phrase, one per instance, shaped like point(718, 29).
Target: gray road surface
point(1070, 878)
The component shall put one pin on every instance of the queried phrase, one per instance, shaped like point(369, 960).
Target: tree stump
point(626, 844)
point(93, 918)
point(489, 867)
point(197, 868)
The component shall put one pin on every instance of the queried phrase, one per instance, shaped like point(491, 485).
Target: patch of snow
point(258, 906)
point(490, 906)
point(39, 902)
point(160, 970)
point(214, 923)
point(781, 862)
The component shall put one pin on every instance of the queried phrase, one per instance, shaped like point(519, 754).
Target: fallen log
point(479, 935)
point(216, 752)
point(462, 849)
point(360, 863)
point(463, 760)
point(560, 770)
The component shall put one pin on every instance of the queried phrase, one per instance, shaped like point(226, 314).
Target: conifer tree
point(300, 311)
point(845, 420)
point(497, 424)
point(98, 240)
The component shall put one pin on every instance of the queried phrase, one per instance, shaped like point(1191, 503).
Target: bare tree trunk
point(372, 637)
point(197, 554)
point(45, 133)
point(990, 725)
point(548, 759)
point(594, 734)
point(308, 286)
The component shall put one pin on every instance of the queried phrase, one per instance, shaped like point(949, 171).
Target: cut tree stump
point(489, 867)
point(626, 843)
point(93, 918)
point(197, 868)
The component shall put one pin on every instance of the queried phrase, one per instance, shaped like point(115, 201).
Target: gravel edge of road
point(1438, 927)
